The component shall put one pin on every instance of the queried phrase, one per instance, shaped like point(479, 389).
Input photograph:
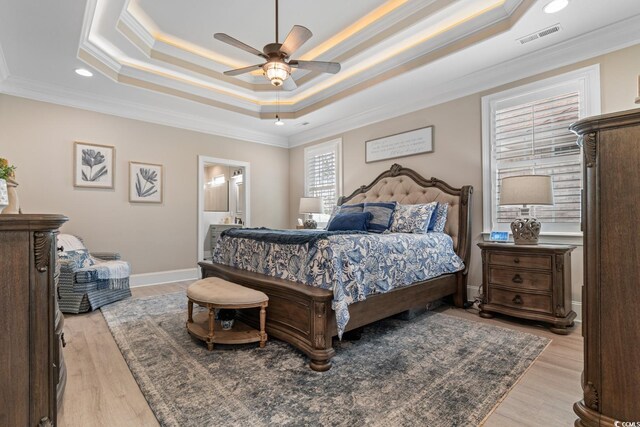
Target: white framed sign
point(403, 144)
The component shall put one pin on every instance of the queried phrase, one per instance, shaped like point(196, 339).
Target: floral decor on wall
point(93, 165)
point(145, 182)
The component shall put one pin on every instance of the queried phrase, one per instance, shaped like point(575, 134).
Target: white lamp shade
point(309, 205)
point(526, 190)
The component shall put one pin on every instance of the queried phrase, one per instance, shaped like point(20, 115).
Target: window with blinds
point(526, 132)
point(322, 175)
point(534, 139)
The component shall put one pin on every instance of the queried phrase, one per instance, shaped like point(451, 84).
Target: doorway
point(223, 199)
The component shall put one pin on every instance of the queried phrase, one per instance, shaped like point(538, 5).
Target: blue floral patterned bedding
point(353, 266)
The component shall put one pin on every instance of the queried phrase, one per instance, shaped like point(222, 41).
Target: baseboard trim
point(472, 293)
point(161, 277)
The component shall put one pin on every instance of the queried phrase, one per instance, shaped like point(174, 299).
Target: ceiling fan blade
point(296, 38)
point(239, 71)
point(324, 67)
point(289, 84)
point(237, 43)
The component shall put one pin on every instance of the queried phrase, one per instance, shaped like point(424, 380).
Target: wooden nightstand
point(528, 281)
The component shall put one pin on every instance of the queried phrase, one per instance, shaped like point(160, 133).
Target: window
point(322, 175)
point(525, 132)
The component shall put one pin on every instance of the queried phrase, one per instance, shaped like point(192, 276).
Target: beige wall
point(457, 156)
point(38, 138)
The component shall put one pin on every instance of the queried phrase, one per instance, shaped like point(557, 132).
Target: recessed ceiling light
point(555, 6)
point(84, 72)
point(278, 122)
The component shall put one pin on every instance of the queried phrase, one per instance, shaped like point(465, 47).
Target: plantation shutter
point(533, 138)
point(322, 175)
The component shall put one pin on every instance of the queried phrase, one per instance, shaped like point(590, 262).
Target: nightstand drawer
point(520, 279)
point(521, 300)
point(523, 261)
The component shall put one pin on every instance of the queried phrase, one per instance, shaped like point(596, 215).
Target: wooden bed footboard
point(302, 316)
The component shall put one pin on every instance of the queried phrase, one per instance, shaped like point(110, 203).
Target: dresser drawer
point(523, 261)
point(521, 300)
point(520, 279)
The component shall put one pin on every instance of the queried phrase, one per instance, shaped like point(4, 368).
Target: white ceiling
point(430, 50)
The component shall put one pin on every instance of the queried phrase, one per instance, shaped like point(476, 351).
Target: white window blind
point(534, 139)
point(322, 175)
point(526, 132)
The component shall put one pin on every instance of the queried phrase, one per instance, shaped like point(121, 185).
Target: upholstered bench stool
point(213, 293)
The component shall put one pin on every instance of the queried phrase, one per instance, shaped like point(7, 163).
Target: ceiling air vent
point(538, 34)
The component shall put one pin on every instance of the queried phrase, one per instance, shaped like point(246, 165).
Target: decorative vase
point(4, 196)
point(12, 193)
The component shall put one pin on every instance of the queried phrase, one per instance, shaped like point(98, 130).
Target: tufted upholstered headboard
point(406, 186)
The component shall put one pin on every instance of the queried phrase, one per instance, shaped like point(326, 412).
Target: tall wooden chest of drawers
point(32, 374)
point(611, 293)
point(528, 281)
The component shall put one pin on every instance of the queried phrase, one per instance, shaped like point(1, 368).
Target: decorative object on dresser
point(435, 370)
point(32, 369)
point(403, 144)
point(93, 165)
point(530, 282)
point(310, 205)
point(302, 315)
point(215, 230)
point(214, 293)
point(145, 183)
point(526, 190)
point(6, 173)
point(89, 280)
point(610, 319)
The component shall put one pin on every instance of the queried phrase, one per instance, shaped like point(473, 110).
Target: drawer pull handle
point(516, 260)
point(517, 279)
point(517, 300)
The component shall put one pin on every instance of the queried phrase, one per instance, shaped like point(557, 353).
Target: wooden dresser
point(611, 292)
point(528, 281)
point(32, 374)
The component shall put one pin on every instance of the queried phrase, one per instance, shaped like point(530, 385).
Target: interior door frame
point(202, 160)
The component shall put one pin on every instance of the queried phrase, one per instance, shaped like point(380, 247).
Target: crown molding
point(4, 69)
point(604, 40)
point(39, 91)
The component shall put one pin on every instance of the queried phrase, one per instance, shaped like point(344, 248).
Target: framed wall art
point(93, 165)
point(145, 183)
point(403, 144)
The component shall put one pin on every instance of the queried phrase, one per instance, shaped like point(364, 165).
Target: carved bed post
point(464, 247)
point(320, 358)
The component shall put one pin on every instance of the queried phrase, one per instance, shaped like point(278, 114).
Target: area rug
point(434, 370)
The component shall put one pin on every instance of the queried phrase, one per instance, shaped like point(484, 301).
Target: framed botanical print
point(93, 165)
point(145, 183)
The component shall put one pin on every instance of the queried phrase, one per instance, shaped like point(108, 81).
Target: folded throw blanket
point(116, 273)
point(284, 237)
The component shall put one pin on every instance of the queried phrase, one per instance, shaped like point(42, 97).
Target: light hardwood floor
point(102, 392)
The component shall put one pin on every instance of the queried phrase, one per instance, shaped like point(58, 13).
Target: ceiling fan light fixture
point(277, 72)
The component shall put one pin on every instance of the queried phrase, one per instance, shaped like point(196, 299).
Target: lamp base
point(310, 223)
point(525, 231)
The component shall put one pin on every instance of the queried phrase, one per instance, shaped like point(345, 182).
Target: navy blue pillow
point(350, 222)
point(434, 218)
point(351, 208)
point(382, 215)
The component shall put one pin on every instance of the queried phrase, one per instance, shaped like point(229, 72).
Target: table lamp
point(310, 205)
point(526, 190)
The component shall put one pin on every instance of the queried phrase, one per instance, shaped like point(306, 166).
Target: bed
point(304, 316)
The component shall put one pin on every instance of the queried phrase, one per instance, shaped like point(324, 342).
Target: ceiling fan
point(278, 66)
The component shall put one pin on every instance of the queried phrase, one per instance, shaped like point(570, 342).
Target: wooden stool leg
point(190, 311)
point(263, 321)
point(212, 323)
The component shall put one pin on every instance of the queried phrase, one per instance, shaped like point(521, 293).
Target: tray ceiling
point(157, 60)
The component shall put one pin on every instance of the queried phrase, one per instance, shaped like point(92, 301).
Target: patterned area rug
point(435, 370)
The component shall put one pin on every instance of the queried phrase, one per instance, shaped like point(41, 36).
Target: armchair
point(89, 280)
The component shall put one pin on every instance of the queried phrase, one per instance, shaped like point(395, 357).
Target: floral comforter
point(353, 266)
